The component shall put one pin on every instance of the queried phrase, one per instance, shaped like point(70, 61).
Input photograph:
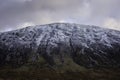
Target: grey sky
point(16, 14)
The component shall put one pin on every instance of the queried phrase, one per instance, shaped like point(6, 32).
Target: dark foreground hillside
point(68, 71)
point(38, 73)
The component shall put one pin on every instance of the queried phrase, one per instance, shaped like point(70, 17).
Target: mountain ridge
point(88, 46)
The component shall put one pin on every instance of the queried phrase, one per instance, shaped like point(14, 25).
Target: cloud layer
point(20, 13)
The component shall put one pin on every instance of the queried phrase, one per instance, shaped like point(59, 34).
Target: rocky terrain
point(88, 46)
point(60, 51)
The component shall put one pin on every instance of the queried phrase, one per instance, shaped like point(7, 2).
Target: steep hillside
point(56, 43)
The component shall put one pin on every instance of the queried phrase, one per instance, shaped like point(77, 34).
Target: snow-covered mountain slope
point(89, 46)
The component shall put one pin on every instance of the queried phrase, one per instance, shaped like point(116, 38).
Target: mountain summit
point(85, 45)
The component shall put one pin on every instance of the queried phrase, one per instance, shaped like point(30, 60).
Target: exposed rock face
point(89, 46)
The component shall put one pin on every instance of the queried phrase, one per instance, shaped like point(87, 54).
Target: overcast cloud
point(16, 14)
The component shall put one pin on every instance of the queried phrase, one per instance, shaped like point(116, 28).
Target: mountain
point(61, 43)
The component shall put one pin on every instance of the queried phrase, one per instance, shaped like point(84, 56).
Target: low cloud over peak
point(14, 13)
